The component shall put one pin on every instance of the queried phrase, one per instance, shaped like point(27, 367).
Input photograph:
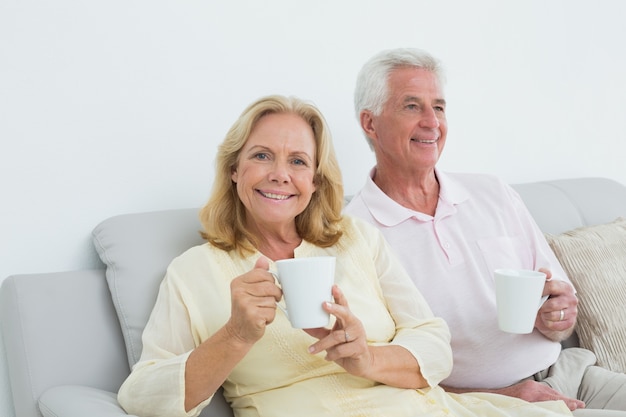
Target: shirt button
point(446, 245)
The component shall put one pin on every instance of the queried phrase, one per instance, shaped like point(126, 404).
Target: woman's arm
point(177, 372)
point(419, 354)
point(424, 336)
point(253, 307)
point(346, 344)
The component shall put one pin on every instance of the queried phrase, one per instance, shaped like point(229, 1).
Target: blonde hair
point(224, 215)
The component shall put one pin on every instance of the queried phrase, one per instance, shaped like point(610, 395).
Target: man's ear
point(367, 124)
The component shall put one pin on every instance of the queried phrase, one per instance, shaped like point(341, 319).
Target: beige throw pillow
point(594, 258)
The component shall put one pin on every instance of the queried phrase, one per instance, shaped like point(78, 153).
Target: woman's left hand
point(346, 342)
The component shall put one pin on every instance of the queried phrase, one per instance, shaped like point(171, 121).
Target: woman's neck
point(277, 244)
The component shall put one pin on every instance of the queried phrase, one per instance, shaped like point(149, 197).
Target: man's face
point(410, 132)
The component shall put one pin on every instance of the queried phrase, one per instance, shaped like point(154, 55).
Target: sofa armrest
point(60, 329)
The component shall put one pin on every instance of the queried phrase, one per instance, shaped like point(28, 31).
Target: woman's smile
point(274, 195)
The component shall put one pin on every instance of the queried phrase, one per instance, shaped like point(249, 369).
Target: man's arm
point(527, 390)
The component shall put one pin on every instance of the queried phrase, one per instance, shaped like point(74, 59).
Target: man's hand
point(557, 316)
point(528, 390)
point(534, 391)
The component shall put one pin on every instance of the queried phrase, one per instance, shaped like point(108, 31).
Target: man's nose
point(429, 118)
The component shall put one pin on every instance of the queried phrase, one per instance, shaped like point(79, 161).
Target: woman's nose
point(279, 173)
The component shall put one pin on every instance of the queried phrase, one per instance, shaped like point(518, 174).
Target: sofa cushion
point(594, 258)
point(77, 400)
point(83, 401)
point(136, 249)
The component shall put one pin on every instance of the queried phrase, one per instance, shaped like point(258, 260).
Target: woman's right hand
point(253, 298)
point(253, 302)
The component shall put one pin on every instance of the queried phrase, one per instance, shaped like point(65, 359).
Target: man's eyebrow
point(409, 99)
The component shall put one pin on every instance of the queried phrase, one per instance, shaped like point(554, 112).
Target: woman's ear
point(233, 174)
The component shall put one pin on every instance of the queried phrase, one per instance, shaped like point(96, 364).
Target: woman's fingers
point(346, 330)
point(253, 301)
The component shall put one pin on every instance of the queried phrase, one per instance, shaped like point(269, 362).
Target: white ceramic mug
point(306, 283)
point(518, 298)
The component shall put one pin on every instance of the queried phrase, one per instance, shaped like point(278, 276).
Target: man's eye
point(440, 109)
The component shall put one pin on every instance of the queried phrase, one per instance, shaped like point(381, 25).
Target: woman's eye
point(299, 162)
point(261, 156)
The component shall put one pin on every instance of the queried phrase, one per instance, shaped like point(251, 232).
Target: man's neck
point(417, 191)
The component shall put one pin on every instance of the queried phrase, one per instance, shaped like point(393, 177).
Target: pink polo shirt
point(480, 224)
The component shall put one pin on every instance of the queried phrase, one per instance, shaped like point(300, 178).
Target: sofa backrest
point(136, 249)
point(562, 205)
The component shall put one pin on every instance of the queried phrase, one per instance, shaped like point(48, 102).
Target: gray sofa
point(71, 337)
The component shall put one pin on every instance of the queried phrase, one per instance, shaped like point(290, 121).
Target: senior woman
point(277, 195)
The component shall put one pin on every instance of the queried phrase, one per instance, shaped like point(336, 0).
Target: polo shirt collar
point(389, 213)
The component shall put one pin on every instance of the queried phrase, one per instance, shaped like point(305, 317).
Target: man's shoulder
point(355, 204)
point(474, 179)
point(473, 184)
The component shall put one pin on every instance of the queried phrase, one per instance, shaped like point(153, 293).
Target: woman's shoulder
point(201, 255)
point(193, 252)
point(353, 224)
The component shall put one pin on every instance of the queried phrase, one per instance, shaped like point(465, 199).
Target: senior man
point(451, 231)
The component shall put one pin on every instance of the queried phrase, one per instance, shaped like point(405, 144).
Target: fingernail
point(311, 349)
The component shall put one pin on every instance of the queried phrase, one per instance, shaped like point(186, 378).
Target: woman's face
point(276, 169)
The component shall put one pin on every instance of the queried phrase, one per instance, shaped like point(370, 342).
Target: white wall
point(117, 106)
